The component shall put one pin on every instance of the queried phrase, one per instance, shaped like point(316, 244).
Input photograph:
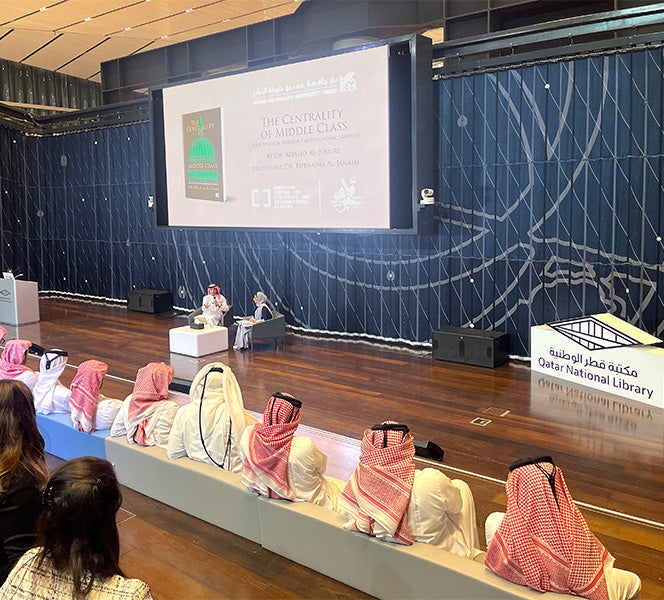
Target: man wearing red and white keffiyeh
point(268, 447)
point(11, 363)
point(90, 409)
point(279, 464)
point(84, 394)
point(544, 542)
point(377, 495)
point(147, 413)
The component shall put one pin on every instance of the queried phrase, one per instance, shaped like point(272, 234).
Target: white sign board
point(634, 372)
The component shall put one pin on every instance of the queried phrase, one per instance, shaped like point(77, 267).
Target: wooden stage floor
point(611, 450)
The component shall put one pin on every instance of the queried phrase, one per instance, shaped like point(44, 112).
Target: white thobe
point(306, 473)
point(441, 512)
point(185, 437)
point(158, 428)
point(213, 313)
point(29, 378)
point(49, 394)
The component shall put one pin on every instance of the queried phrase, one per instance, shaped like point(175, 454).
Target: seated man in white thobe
point(388, 499)
point(543, 541)
point(214, 306)
point(147, 414)
point(90, 409)
point(280, 464)
point(12, 363)
point(209, 428)
point(49, 394)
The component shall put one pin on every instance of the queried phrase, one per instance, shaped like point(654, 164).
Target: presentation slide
point(303, 145)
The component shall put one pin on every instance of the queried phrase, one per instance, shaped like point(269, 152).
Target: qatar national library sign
point(602, 352)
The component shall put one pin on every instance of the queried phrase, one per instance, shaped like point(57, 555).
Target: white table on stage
point(18, 302)
point(198, 342)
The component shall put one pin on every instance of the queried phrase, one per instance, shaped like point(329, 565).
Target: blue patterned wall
point(549, 206)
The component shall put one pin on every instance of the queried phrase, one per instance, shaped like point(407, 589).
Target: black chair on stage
point(272, 328)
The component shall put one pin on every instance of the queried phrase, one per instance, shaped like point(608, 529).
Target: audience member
point(543, 541)
point(49, 394)
point(12, 363)
point(262, 313)
point(387, 498)
point(23, 472)
point(90, 409)
point(78, 545)
point(147, 414)
point(279, 464)
point(209, 428)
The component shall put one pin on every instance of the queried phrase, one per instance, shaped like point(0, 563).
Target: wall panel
point(549, 206)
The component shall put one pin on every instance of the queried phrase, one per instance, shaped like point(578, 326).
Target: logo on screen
point(347, 82)
point(202, 135)
point(346, 196)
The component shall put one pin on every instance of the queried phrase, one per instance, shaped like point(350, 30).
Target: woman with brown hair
point(23, 472)
point(78, 546)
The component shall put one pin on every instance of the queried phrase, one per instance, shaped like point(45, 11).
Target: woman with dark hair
point(78, 547)
point(23, 472)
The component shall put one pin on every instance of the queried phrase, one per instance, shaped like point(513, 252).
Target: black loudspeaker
point(429, 450)
point(471, 346)
point(150, 301)
point(179, 385)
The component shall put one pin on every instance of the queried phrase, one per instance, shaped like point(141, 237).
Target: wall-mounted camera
point(427, 196)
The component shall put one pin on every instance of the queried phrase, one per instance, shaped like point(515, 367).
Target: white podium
point(18, 302)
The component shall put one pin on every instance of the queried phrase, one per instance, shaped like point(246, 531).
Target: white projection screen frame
point(304, 145)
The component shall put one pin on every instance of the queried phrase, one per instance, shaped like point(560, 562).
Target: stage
point(611, 450)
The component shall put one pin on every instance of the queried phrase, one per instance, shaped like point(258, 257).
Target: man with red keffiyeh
point(279, 464)
point(90, 409)
point(544, 542)
point(11, 362)
point(147, 414)
point(388, 498)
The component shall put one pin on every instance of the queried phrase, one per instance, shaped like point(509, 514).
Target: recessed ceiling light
point(127, 28)
point(43, 8)
point(163, 37)
point(87, 18)
point(189, 9)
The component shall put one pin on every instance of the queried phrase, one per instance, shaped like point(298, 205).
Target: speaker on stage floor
point(427, 449)
point(151, 301)
point(471, 346)
point(180, 385)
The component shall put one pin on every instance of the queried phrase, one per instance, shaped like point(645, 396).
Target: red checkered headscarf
point(85, 393)
point(269, 447)
point(379, 489)
point(12, 357)
point(543, 541)
point(151, 386)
